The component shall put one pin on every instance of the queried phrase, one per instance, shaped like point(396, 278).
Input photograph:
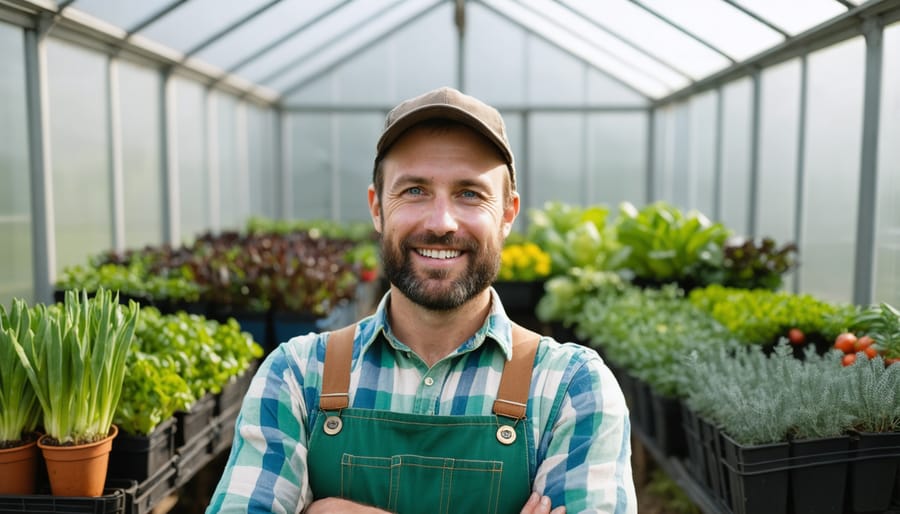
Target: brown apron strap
point(512, 396)
point(515, 382)
point(336, 375)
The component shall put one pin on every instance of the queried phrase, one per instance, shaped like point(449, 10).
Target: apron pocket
point(366, 479)
point(429, 484)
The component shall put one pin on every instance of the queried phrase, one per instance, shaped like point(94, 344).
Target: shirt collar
point(497, 327)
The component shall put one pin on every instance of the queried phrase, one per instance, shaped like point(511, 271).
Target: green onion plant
point(19, 407)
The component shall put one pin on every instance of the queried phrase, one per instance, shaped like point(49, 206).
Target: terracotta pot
point(18, 466)
point(78, 470)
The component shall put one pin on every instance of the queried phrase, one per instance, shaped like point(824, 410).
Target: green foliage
point(205, 353)
point(77, 363)
point(761, 316)
point(317, 228)
point(875, 393)
point(572, 236)
point(748, 265)
point(881, 323)
point(19, 407)
point(660, 245)
point(133, 279)
point(565, 295)
point(649, 331)
point(152, 392)
point(675, 499)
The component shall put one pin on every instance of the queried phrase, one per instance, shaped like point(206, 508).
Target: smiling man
point(437, 402)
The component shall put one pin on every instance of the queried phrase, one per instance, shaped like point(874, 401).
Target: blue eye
point(469, 194)
point(414, 191)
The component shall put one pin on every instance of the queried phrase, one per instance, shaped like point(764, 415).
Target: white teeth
point(438, 254)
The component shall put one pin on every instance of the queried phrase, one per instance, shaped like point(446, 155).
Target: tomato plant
point(848, 359)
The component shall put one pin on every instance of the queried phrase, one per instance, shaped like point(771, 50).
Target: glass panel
point(574, 23)
point(76, 82)
point(681, 176)
point(648, 84)
point(495, 61)
point(284, 57)
point(16, 269)
point(139, 108)
point(556, 157)
point(318, 60)
point(795, 16)
point(887, 224)
point(617, 158)
point(311, 165)
point(606, 90)
point(357, 134)
point(125, 15)
point(554, 77)
point(193, 174)
point(701, 182)
point(264, 188)
point(660, 39)
point(720, 24)
point(831, 177)
point(277, 21)
point(736, 120)
point(193, 22)
point(778, 139)
point(664, 156)
point(233, 201)
point(423, 55)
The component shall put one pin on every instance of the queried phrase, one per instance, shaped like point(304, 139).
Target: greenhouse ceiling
point(266, 49)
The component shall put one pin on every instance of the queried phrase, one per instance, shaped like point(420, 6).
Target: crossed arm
point(535, 505)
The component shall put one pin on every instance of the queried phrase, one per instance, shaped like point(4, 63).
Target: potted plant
point(76, 367)
point(19, 408)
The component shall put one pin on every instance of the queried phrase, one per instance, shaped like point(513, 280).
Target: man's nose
point(441, 219)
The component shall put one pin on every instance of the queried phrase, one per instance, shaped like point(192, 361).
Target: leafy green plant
point(761, 316)
point(152, 392)
point(749, 265)
point(881, 323)
point(660, 245)
point(572, 236)
point(565, 295)
point(77, 363)
point(19, 407)
point(205, 353)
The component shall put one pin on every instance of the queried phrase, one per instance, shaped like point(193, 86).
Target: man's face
point(442, 215)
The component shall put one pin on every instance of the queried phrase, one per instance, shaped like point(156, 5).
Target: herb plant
point(19, 407)
point(77, 363)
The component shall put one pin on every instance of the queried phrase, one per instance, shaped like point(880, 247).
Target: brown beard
point(483, 266)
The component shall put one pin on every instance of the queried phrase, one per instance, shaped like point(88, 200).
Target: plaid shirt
point(577, 410)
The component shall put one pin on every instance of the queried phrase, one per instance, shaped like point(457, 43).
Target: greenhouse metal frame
point(681, 82)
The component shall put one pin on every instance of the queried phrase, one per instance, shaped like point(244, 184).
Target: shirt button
point(429, 381)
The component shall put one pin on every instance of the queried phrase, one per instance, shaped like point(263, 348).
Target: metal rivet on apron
point(333, 425)
point(506, 434)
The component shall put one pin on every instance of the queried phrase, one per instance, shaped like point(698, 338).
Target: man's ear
point(375, 208)
point(509, 213)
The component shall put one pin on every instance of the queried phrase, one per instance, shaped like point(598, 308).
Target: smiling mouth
point(438, 254)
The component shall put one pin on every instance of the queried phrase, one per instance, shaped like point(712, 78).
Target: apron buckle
point(333, 425)
point(506, 434)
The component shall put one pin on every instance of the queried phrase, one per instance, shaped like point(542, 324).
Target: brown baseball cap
point(450, 104)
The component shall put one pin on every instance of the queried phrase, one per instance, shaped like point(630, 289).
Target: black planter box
point(643, 412)
point(758, 477)
point(667, 425)
point(873, 470)
point(150, 492)
point(114, 500)
point(819, 475)
point(696, 460)
point(233, 392)
point(138, 457)
point(716, 475)
point(191, 424)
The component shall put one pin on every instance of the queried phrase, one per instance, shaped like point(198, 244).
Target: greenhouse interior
point(709, 199)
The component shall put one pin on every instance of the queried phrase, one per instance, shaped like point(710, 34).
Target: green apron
point(411, 463)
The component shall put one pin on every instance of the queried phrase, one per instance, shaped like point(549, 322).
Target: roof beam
point(233, 26)
point(685, 31)
point(835, 30)
point(297, 61)
point(266, 49)
point(758, 18)
point(374, 40)
point(146, 22)
point(626, 41)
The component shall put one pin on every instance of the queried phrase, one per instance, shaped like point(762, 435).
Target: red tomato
point(862, 343)
point(891, 360)
point(368, 275)
point(870, 352)
point(845, 342)
point(796, 336)
point(848, 359)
